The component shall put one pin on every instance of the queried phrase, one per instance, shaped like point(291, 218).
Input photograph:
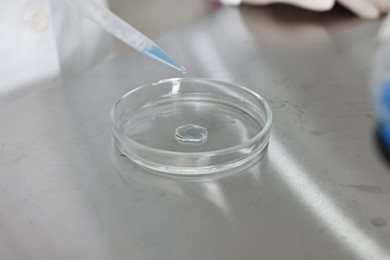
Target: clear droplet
point(191, 134)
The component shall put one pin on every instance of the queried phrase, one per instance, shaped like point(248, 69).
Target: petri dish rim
point(265, 131)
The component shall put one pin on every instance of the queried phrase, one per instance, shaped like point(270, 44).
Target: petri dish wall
point(191, 126)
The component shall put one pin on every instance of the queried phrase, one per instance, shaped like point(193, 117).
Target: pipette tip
point(157, 53)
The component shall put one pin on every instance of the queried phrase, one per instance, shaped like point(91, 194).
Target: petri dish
point(191, 126)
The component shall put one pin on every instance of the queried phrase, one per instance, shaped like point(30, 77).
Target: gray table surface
point(321, 192)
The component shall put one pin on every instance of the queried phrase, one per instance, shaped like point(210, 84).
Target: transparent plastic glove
point(384, 31)
point(367, 9)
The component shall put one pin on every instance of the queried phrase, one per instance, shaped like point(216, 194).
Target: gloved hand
point(367, 9)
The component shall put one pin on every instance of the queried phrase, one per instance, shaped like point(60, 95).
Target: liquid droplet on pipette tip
point(191, 134)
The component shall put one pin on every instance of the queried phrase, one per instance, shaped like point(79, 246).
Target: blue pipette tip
point(157, 53)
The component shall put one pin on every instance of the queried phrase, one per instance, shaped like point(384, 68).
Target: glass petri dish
point(191, 126)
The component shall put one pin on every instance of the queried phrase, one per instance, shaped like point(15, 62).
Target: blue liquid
point(156, 53)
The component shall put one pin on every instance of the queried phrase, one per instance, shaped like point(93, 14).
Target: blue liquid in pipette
point(123, 31)
point(158, 54)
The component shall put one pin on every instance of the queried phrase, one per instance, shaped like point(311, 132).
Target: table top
point(321, 191)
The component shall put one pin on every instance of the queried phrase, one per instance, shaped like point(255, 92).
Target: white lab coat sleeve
point(81, 43)
point(42, 40)
point(27, 48)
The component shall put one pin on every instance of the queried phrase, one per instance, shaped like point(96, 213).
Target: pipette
point(123, 31)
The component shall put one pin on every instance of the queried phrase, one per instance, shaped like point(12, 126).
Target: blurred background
point(155, 17)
